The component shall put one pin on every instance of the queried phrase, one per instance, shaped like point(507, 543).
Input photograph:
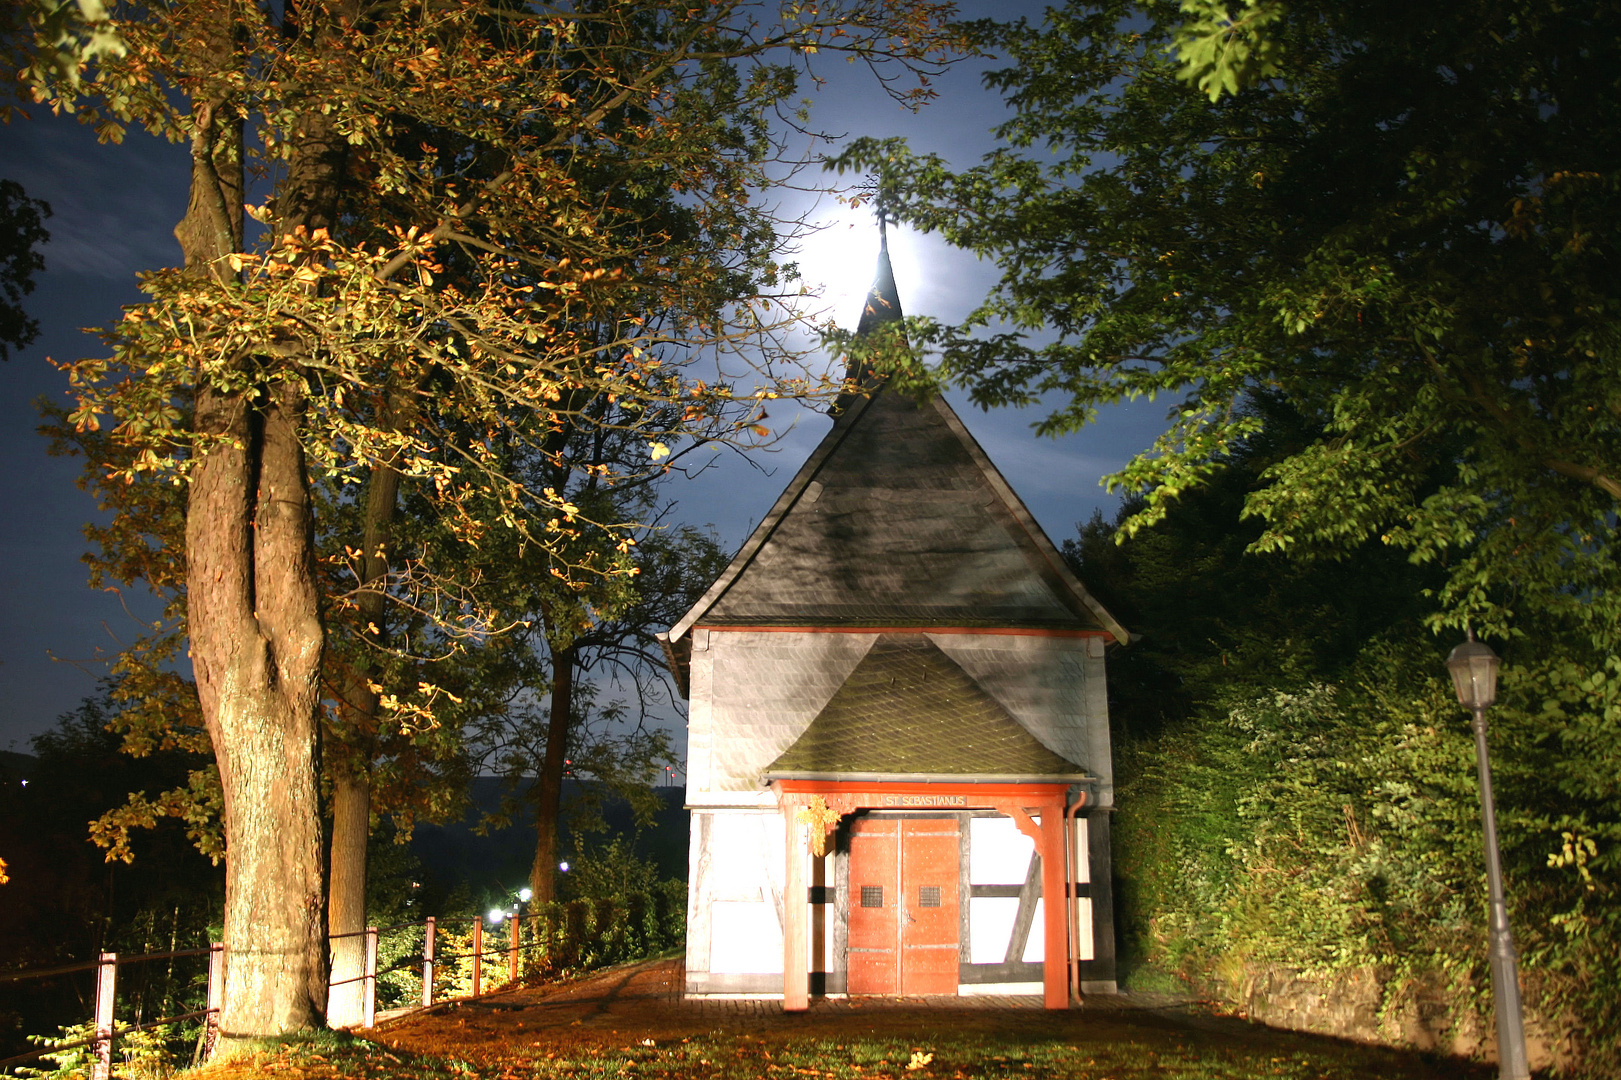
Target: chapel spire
point(883, 302)
point(882, 305)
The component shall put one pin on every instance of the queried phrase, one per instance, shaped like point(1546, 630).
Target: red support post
point(427, 964)
point(368, 1001)
point(478, 953)
point(1055, 967)
point(216, 995)
point(106, 991)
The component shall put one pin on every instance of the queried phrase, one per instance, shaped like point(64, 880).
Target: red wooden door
point(930, 850)
point(903, 906)
point(874, 956)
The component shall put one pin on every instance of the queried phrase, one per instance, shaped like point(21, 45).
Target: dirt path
point(629, 1005)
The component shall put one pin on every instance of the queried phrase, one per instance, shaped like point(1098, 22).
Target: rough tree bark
point(548, 790)
point(256, 650)
point(351, 778)
point(255, 631)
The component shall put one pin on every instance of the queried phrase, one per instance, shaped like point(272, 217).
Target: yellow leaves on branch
point(418, 714)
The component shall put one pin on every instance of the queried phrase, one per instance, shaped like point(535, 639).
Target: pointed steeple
point(883, 301)
point(883, 305)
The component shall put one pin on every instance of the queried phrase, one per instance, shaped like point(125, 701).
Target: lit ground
point(630, 1022)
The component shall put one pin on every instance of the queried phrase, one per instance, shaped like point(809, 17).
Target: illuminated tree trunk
point(346, 898)
point(349, 766)
point(548, 792)
point(256, 649)
point(255, 631)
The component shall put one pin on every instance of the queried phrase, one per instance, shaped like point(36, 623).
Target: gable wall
point(754, 693)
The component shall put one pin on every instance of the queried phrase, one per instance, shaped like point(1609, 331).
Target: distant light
point(563, 866)
point(524, 895)
point(496, 915)
point(25, 783)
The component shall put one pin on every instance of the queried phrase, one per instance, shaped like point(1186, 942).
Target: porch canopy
point(911, 730)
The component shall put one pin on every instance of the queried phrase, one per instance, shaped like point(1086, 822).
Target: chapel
point(898, 762)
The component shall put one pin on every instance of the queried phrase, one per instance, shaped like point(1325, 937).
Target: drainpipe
point(1072, 920)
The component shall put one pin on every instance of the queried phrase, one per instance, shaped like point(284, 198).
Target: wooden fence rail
point(106, 966)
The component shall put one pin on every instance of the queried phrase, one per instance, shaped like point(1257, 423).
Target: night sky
point(114, 208)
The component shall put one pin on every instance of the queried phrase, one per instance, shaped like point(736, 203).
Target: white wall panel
point(747, 938)
point(998, 853)
point(990, 927)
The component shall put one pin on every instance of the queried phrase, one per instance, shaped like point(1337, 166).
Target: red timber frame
point(812, 809)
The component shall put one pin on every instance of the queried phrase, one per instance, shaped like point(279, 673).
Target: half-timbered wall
point(735, 897)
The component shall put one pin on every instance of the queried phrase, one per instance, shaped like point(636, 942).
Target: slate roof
point(897, 520)
point(908, 710)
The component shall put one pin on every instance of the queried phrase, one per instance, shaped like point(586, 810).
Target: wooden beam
point(795, 901)
point(1003, 631)
point(1055, 966)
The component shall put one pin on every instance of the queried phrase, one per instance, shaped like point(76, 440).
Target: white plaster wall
point(754, 693)
point(734, 915)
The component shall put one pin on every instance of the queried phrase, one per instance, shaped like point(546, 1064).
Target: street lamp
point(1474, 674)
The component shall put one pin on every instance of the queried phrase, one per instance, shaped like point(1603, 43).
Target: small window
point(872, 896)
point(928, 896)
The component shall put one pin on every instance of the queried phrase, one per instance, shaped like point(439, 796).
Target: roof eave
point(929, 778)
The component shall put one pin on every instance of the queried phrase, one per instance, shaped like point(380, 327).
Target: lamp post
point(1474, 674)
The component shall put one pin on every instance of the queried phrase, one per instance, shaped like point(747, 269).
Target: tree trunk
point(253, 619)
point(346, 897)
point(548, 797)
point(351, 778)
point(256, 650)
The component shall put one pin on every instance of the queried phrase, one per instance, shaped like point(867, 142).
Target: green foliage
point(137, 1055)
point(1337, 829)
point(1408, 232)
point(556, 940)
point(1214, 621)
point(1223, 53)
point(1295, 779)
point(21, 230)
point(1334, 827)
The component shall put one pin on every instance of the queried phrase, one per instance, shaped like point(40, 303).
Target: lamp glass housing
point(1474, 674)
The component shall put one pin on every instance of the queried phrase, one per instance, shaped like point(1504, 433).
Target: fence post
point(427, 964)
point(216, 995)
point(478, 952)
point(369, 1002)
point(512, 952)
point(106, 990)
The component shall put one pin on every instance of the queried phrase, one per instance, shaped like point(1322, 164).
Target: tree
point(591, 650)
point(262, 362)
point(21, 230)
point(1214, 622)
point(1408, 232)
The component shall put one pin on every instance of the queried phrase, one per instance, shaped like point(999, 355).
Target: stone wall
point(1365, 1006)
